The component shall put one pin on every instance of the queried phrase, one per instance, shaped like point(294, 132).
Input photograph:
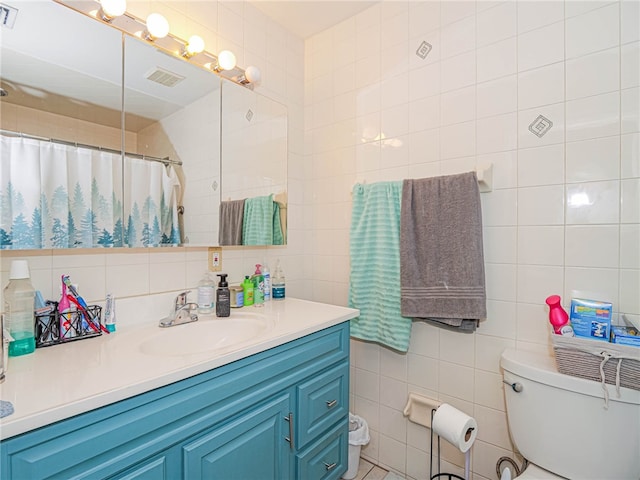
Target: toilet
point(560, 425)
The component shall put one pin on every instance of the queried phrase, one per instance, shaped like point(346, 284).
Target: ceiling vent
point(164, 77)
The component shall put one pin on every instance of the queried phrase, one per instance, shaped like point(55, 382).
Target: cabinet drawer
point(322, 401)
point(327, 458)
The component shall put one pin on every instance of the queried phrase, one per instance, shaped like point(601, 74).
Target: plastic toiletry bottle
point(66, 313)
point(258, 287)
point(247, 290)
point(277, 283)
point(266, 273)
point(223, 297)
point(558, 317)
point(206, 294)
point(19, 296)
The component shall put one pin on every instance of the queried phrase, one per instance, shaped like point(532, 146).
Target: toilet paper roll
point(455, 427)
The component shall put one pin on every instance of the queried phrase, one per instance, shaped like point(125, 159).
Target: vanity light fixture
point(251, 75)
point(110, 9)
point(193, 46)
point(157, 27)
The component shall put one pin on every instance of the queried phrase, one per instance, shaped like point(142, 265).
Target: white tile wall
point(563, 215)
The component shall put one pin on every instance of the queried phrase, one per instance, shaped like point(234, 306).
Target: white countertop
point(61, 381)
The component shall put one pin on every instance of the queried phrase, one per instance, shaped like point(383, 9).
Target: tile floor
point(369, 471)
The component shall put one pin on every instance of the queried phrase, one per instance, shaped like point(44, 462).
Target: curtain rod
point(166, 161)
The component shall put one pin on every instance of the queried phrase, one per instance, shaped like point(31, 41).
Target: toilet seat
point(534, 472)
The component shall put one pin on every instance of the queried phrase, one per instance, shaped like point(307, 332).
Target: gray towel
point(441, 257)
point(231, 219)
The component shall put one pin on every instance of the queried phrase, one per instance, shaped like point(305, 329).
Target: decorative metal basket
point(54, 328)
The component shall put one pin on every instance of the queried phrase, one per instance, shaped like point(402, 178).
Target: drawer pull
point(330, 466)
point(289, 418)
point(332, 403)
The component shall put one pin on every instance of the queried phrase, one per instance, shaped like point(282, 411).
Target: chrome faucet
point(183, 312)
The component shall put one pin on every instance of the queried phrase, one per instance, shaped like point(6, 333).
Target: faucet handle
point(181, 299)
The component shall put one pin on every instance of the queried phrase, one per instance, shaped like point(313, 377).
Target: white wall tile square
point(536, 282)
point(586, 74)
point(629, 288)
point(425, 340)
point(393, 393)
point(458, 106)
point(592, 117)
point(602, 282)
point(497, 134)
point(630, 65)
point(500, 208)
point(630, 21)
point(500, 244)
point(630, 246)
point(533, 14)
point(552, 116)
point(541, 165)
point(424, 113)
point(458, 140)
point(592, 246)
point(541, 245)
point(424, 17)
point(393, 364)
point(500, 321)
point(424, 81)
point(424, 146)
point(630, 100)
point(497, 96)
point(541, 47)
point(533, 321)
point(592, 160)
point(367, 385)
point(541, 86)
point(394, 425)
point(452, 11)
point(423, 371)
point(492, 426)
point(575, 8)
point(580, 38)
point(630, 163)
point(456, 348)
point(459, 71)
point(488, 351)
point(497, 23)
point(630, 200)
point(593, 203)
point(458, 37)
point(500, 282)
point(497, 60)
point(541, 205)
point(505, 168)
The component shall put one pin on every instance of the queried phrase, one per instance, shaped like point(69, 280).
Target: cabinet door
point(253, 446)
point(158, 468)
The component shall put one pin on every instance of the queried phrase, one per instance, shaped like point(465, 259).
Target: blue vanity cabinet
point(281, 414)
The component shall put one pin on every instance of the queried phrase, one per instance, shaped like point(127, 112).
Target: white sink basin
point(206, 335)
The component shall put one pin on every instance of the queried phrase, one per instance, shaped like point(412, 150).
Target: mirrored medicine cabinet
point(108, 141)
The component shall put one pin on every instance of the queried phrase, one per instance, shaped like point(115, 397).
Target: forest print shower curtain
point(63, 196)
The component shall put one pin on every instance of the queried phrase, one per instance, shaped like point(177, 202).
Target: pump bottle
point(258, 287)
point(223, 297)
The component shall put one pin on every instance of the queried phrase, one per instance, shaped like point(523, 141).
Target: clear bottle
point(266, 273)
point(19, 297)
point(277, 283)
point(206, 294)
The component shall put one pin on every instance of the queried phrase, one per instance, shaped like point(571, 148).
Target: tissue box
point(625, 336)
point(591, 318)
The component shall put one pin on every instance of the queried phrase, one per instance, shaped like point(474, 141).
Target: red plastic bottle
point(557, 315)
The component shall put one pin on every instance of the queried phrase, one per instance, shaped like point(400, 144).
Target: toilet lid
point(534, 472)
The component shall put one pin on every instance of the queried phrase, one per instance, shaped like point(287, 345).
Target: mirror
point(172, 120)
point(61, 169)
point(253, 209)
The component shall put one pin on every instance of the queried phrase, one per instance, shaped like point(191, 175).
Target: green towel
point(261, 222)
point(374, 285)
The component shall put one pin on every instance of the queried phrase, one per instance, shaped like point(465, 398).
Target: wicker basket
point(581, 357)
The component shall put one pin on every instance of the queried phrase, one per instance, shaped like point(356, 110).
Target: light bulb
point(226, 60)
point(195, 45)
point(157, 26)
point(112, 8)
point(251, 75)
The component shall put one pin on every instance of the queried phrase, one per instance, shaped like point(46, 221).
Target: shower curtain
point(62, 196)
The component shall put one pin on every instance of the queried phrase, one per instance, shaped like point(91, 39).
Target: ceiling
point(308, 17)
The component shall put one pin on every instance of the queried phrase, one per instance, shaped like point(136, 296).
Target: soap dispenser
point(206, 294)
point(258, 287)
point(223, 297)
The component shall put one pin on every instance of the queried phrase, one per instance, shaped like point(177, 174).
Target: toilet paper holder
point(448, 476)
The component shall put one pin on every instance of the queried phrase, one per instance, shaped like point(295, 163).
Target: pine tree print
point(36, 228)
point(60, 238)
point(106, 240)
point(118, 234)
point(21, 233)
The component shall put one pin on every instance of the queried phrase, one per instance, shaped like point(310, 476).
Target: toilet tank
point(560, 422)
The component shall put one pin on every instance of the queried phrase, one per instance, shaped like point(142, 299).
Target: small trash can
point(358, 436)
